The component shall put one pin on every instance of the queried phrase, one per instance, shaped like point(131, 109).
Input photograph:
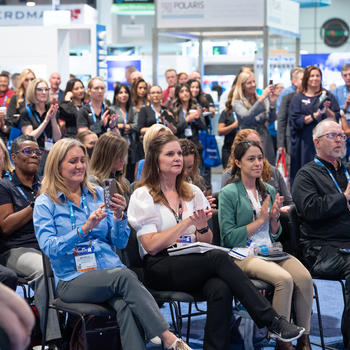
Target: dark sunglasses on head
point(27, 151)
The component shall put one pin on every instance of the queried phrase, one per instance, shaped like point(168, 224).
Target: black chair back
point(294, 230)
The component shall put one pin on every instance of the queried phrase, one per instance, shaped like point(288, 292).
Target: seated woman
point(249, 213)
point(270, 173)
point(163, 210)
point(191, 163)
point(69, 216)
point(6, 166)
point(88, 139)
point(151, 133)
point(108, 162)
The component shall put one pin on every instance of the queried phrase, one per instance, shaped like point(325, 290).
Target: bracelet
point(203, 230)
point(78, 232)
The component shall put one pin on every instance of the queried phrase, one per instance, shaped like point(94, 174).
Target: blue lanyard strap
point(71, 211)
point(22, 193)
point(4, 103)
point(317, 161)
point(156, 114)
point(93, 112)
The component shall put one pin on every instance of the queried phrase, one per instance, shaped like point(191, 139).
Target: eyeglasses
point(28, 79)
point(333, 135)
point(27, 151)
point(42, 89)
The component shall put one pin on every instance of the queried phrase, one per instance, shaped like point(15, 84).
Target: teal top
point(236, 212)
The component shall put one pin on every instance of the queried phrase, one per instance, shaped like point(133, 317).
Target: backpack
point(101, 333)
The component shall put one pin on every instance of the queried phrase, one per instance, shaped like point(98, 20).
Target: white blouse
point(145, 216)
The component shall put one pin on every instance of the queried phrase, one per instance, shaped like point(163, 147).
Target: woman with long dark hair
point(126, 122)
point(74, 96)
point(249, 215)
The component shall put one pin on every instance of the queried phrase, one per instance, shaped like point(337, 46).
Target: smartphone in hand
point(109, 189)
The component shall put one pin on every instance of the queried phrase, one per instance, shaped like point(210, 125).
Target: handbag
point(281, 165)
point(211, 154)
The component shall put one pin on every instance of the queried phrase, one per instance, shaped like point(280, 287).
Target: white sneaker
point(156, 340)
point(179, 344)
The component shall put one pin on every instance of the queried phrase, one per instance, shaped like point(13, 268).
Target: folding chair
point(131, 258)
point(81, 310)
point(294, 226)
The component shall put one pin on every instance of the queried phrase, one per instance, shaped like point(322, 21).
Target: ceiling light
point(30, 3)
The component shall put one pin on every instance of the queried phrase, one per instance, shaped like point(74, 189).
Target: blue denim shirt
point(57, 238)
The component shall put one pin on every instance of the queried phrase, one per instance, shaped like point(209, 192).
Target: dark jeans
point(219, 279)
point(327, 261)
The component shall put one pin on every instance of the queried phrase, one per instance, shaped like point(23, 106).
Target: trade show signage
point(33, 16)
point(133, 7)
point(281, 14)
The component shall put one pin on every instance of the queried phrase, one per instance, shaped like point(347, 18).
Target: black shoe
point(281, 329)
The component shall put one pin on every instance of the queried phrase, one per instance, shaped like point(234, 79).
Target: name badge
point(84, 256)
point(188, 131)
point(48, 144)
point(185, 239)
point(347, 117)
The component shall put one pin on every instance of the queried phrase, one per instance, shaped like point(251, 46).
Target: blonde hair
point(53, 182)
point(20, 92)
point(92, 80)
point(238, 93)
point(109, 148)
point(7, 165)
point(152, 132)
point(31, 91)
point(241, 136)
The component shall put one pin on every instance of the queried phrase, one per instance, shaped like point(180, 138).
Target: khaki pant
point(292, 283)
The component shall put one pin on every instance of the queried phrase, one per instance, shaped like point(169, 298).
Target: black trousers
point(327, 261)
point(8, 277)
point(219, 279)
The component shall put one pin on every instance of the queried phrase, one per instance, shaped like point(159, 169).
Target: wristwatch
point(32, 204)
point(203, 230)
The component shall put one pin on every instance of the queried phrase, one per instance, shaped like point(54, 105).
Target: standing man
point(283, 129)
point(169, 92)
point(5, 96)
point(342, 94)
point(56, 94)
point(321, 193)
point(294, 80)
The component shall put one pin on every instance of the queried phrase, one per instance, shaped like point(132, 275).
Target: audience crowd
point(59, 146)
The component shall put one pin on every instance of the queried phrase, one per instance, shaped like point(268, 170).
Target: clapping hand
point(276, 207)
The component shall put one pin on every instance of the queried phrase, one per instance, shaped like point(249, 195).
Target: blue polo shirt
point(57, 235)
point(12, 191)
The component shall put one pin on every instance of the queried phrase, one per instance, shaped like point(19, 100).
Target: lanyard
point(4, 103)
point(71, 211)
point(317, 161)
point(156, 114)
point(8, 174)
point(22, 193)
point(259, 200)
point(93, 112)
point(178, 216)
point(126, 116)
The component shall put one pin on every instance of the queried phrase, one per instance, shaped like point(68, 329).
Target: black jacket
point(322, 209)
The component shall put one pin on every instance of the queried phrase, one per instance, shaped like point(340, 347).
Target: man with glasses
point(321, 193)
point(18, 244)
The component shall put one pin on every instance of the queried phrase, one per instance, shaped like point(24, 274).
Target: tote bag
point(211, 155)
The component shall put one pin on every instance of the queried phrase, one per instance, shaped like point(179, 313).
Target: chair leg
point(189, 322)
point(83, 327)
point(343, 289)
point(176, 318)
point(319, 316)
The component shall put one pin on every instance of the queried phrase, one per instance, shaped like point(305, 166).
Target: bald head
point(55, 80)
